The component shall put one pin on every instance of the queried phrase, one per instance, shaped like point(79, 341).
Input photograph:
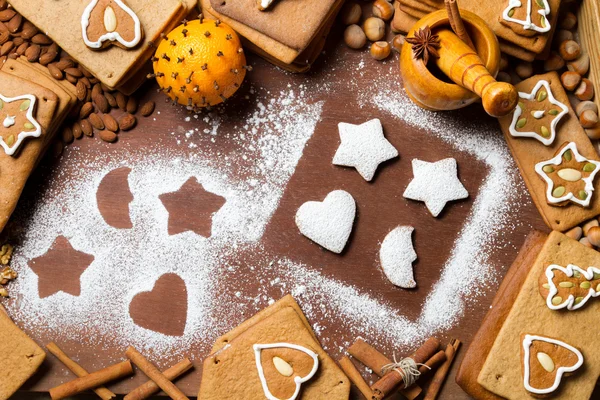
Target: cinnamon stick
point(456, 22)
point(390, 381)
point(355, 377)
point(92, 380)
point(374, 360)
point(77, 369)
point(435, 361)
point(149, 388)
point(440, 375)
point(153, 373)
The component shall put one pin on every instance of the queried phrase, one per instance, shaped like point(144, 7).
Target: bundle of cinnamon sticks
point(393, 378)
point(96, 380)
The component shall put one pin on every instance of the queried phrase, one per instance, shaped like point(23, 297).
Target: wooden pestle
point(461, 64)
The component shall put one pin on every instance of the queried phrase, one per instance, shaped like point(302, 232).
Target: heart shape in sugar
point(328, 223)
point(397, 255)
point(283, 368)
point(164, 308)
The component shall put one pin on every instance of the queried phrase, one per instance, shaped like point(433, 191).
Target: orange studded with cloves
point(200, 63)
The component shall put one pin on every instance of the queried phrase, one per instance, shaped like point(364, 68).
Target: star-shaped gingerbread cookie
point(538, 114)
point(435, 184)
point(18, 123)
point(569, 176)
point(363, 147)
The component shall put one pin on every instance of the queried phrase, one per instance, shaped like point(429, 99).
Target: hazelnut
point(593, 236)
point(380, 50)
point(569, 50)
point(586, 105)
point(351, 13)
point(575, 233)
point(398, 42)
point(354, 37)
point(588, 119)
point(503, 62)
point(561, 35)
point(593, 133)
point(503, 76)
point(554, 62)
point(580, 65)
point(570, 80)
point(524, 70)
point(589, 225)
point(585, 91)
point(584, 241)
point(374, 28)
point(568, 21)
point(382, 9)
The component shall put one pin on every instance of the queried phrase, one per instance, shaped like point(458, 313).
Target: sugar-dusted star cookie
point(435, 184)
point(363, 147)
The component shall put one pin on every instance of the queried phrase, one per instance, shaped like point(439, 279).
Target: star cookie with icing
point(569, 177)
point(538, 114)
point(18, 123)
point(363, 147)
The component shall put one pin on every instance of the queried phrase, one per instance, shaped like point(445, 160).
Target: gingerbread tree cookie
point(538, 114)
point(569, 287)
point(545, 361)
point(569, 177)
point(527, 17)
point(108, 22)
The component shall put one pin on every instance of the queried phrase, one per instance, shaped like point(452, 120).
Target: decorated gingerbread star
point(18, 122)
point(538, 114)
point(363, 147)
point(435, 184)
point(569, 176)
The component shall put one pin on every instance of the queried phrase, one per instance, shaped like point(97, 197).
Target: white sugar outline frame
point(23, 134)
point(556, 160)
point(530, 96)
point(527, 341)
point(569, 270)
point(258, 348)
point(110, 36)
point(527, 24)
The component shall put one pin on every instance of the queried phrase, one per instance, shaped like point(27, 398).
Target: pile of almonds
point(6, 273)
point(92, 114)
point(571, 62)
point(372, 28)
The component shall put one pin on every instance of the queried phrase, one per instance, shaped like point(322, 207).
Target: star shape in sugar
point(191, 208)
point(363, 147)
point(435, 183)
point(60, 268)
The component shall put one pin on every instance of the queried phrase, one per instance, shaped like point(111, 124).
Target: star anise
point(424, 44)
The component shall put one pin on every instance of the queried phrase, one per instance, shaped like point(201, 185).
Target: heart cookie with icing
point(108, 22)
point(546, 361)
point(283, 368)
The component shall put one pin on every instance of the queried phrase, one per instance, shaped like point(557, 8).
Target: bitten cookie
point(273, 355)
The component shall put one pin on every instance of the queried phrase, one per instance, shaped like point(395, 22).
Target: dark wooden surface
point(381, 205)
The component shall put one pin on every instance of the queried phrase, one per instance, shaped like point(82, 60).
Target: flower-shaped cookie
point(538, 114)
point(569, 176)
point(14, 130)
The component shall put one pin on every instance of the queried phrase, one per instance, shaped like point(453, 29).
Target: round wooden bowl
point(427, 90)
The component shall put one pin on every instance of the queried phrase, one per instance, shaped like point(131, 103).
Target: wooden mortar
point(473, 73)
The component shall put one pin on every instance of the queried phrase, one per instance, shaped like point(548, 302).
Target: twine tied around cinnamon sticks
point(407, 368)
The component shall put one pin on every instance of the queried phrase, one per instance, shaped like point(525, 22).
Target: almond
point(132, 105)
point(40, 38)
point(86, 110)
point(17, 40)
point(6, 48)
point(32, 53)
point(97, 90)
point(6, 15)
point(108, 136)
point(147, 109)
point(15, 23)
point(28, 31)
point(127, 122)
point(55, 72)
point(77, 132)
point(121, 101)
point(86, 82)
point(75, 72)
point(110, 99)
point(80, 90)
point(67, 135)
point(3, 4)
point(64, 63)
point(48, 57)
point(22, 48)
point(101, 103)
point(4, 36)
point(72, 79)
point(110, 123)
point(96, 121)
point(86, 127)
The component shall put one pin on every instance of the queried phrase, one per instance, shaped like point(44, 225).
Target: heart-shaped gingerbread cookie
point(107, 22)
point(328, 223)
point(283, 368)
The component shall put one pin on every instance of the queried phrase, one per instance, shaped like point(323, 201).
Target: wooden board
point(337, 80)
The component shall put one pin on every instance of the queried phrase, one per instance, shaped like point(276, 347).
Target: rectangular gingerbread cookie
point(504, 372)
point(539, 140)
point(482, 342)
point(271, 351)
point(21, 356)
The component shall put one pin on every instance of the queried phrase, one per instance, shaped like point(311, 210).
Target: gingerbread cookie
point(569, 287)
point(273, 355)
point(545, 361)
point(527, 19)
point(107, 22)
point(21, 356)
point(18, 121)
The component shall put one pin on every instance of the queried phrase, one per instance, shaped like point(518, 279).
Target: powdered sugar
point(397, 255)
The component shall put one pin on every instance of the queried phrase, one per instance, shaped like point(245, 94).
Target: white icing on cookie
point(531, 96)
point(435, 184)
point(9, 121)
point(538, 114)
point(397, 255)
point(527, 23)
point(569, 302)
point(363, 147)
point(110, 35)
point(37, 129)
point(527, 341)
point(557, 160)
point(298, 380)
point(328, 223)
